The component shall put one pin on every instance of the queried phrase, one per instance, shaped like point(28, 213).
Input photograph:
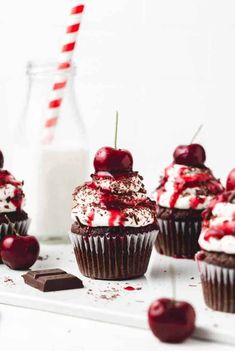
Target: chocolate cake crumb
point(111, 297)
point(219, 259)
point(16, 216)
point(80, 229)
point(43, 258)
point(8, 280)
point(178, 214)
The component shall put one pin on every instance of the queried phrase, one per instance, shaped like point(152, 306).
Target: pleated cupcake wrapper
point(21, 227)
point(114, 258)
point(178, 238)
point(218, 285)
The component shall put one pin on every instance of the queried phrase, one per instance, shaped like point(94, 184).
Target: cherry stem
point(9, 222)
point(196, 133)
point(172, 275)
point(116, 131)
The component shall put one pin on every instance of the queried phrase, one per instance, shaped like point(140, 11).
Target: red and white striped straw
point(64, 63)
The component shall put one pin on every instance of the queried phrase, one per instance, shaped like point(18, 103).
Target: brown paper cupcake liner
point(21, 227)
point(218, 284)
point(113, 258)
point(178, 238)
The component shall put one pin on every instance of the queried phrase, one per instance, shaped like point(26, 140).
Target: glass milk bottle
point(50, 172)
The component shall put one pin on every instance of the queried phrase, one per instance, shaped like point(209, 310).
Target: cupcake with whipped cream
point(12, 200)
point(114, 222)
point(216, 260)
point(185, 190)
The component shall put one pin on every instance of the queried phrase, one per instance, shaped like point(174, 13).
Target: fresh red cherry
point(171, 321)
point(19, 252)
point(1, 159)
point(230, 184)
point(190, 155)
point(113, 160)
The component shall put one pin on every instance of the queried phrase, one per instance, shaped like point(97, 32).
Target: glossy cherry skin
point(113, 160)
point(19, 252)
point(1, 159)
point(171, 321)
point(230, 184)
point(190, 155)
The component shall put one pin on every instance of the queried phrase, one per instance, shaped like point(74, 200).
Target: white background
point(166, 65)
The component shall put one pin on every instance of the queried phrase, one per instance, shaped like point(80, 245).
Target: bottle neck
point(41, 78)
point(40, 82)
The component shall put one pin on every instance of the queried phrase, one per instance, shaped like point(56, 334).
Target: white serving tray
point(109, 301)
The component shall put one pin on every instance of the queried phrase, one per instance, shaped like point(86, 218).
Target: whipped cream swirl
point(187, 187)
point(218, 228)
point(113, 200)
point(11, 193)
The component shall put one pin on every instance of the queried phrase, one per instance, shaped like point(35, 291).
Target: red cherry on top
point(113, 160)
point(19, 252)
point(171, 321)
point(190, 155)
point(230, 184)
point(1, 159)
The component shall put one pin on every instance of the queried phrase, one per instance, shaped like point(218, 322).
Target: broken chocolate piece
point(52, 280)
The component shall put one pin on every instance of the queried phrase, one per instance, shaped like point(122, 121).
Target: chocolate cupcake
point(12, 199)
point(216, 260)
point(185, 190)
point(115, 224)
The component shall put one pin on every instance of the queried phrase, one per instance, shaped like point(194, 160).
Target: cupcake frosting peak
point(218, 228)
point(187, 187)
point(11, 193)
point(113, 200)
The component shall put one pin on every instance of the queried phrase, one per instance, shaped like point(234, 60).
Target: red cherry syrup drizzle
point(115, 203)
point(185, 181)
point(91, 218)
point(7, 178)
point(116, 216)
point(221, 229)
point(131, 288)
point(18, 198)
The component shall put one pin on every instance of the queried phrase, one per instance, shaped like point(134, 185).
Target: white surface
point(28, 330)
point(110, 302)
point(166, 66)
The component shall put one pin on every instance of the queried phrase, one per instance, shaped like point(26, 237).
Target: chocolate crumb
point(9, 280)
point(111, 297)
point(104, 297)
point(43, 258)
